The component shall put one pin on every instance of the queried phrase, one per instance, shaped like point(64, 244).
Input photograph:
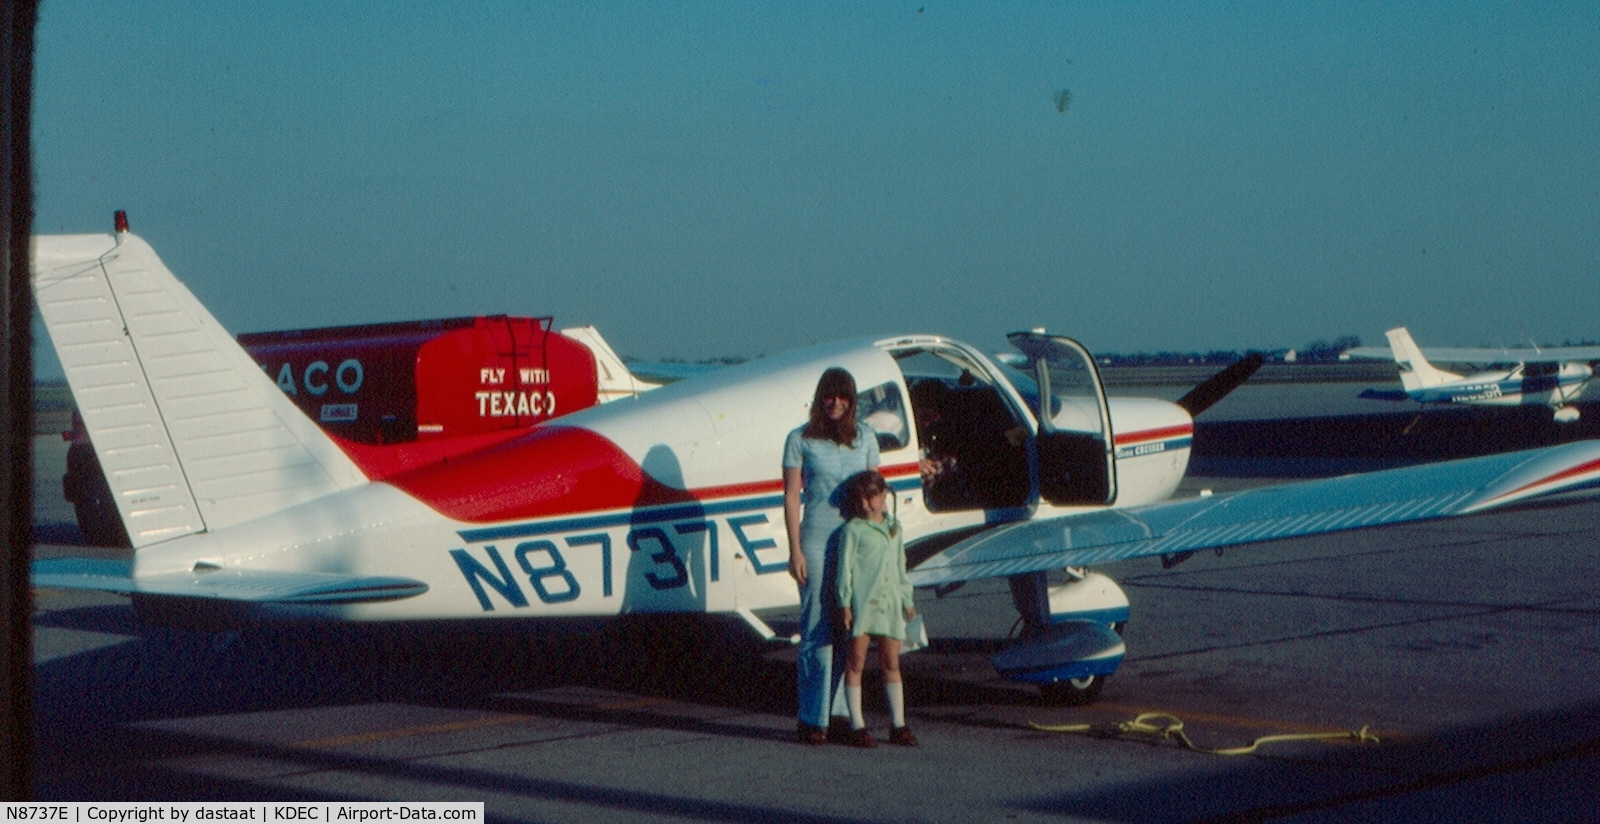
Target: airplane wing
point(226, 584)
point(1309, 508)
point(1459, 355)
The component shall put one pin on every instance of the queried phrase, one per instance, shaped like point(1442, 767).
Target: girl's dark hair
point(834, 383)
point(857, 488)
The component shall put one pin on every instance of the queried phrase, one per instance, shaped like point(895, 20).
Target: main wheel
point(1073, 692)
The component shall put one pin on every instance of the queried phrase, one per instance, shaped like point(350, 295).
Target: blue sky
point(701, 180)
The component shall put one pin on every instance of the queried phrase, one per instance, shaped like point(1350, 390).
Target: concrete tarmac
point(1469, 647)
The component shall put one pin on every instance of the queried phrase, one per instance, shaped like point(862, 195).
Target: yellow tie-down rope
point(1145, 723)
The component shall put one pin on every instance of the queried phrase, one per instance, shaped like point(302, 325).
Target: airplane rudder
point(169, 398)
point(72, 283)
point(1415, 370)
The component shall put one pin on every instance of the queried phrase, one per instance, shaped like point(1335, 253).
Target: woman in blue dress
point(817, 458)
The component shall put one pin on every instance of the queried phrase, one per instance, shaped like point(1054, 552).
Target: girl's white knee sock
point(852, 696)
point(897, 702)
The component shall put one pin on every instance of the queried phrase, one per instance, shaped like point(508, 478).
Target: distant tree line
point(1317, 351)
point(725, 360)
point(1216, 357)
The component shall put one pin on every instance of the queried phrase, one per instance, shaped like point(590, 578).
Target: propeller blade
point(1218, 386)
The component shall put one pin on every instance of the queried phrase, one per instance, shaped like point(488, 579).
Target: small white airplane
point(240, 509)
point(1552, 377)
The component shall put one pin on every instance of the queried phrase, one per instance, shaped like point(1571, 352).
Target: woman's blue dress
point(824, 466)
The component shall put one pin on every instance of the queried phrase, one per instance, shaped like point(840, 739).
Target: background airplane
point(1550, 377)
point(241, 509)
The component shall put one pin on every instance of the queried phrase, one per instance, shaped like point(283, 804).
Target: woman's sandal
point(811, 736)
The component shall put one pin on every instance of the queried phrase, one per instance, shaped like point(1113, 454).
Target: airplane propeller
point(1217, 387)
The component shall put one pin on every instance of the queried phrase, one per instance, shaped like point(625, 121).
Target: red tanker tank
point(425, 380)
point(396, 394)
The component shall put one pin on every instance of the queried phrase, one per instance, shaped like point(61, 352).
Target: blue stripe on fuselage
point(637, 517)
point(632, 517)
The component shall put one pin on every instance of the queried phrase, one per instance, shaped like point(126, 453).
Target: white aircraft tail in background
point(615, 379)
point(1415, 371)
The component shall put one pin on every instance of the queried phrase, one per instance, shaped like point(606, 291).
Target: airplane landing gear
point(1071, 635)
point(1073, 692)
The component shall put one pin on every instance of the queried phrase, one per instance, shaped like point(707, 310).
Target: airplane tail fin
point(192, 435)
point(1415, 371)
point(616, 380)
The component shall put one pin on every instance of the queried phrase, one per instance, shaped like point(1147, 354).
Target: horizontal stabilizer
point(1385, 395)
point(256, 586)
point(1309, 508)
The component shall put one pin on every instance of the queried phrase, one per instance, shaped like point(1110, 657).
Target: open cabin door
point(1076, 450)
point(972, 436)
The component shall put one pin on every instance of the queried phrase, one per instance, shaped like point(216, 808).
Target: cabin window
point(882, 408)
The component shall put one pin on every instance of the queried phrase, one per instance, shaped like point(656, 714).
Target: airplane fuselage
point(1544, 384)
point(669, 502)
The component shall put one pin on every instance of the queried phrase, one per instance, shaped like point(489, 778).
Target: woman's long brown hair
point(834, 383)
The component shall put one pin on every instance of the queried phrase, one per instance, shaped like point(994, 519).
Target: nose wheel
point(1073, 692)
point(1071, 635)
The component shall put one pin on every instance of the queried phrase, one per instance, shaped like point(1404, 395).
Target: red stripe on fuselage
point(899, 470)
point(379, 461)
point(551, 470)
point(707, 493)
point(711, 493)
point(558, 470)
point(1155, 434)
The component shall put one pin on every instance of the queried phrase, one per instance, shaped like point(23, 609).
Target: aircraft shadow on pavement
point(158, 784)
point(91, 746)
point(87, 702)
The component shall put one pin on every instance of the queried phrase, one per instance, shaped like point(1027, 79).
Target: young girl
point(875, 600)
